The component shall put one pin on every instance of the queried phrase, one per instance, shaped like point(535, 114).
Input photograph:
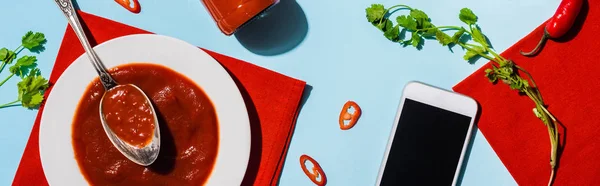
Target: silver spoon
point(145, 155)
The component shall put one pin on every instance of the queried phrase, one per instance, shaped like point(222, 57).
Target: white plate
point(56, 149)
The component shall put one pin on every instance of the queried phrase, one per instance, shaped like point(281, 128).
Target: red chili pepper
point(560, 23)
point(316, 173)
point(135, 8)
point(351, 117)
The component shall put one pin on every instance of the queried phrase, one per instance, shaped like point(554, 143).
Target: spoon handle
point(67, 8)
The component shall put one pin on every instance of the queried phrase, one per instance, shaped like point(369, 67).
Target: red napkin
point(272, 100)
point(566, 71)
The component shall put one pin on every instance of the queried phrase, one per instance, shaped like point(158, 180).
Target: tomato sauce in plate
point(129, 115)
point(188, 127)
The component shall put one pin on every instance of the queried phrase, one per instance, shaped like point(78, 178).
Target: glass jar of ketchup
point(230, 15)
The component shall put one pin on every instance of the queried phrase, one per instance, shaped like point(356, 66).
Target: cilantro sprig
point(32, 85)
point(471, 39)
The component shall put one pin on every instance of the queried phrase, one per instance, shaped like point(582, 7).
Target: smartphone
point(429, 138)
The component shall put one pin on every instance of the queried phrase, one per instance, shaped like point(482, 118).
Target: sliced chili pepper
point(560, 23)
point(135, 7)
point(316, 173)
point(352, 118)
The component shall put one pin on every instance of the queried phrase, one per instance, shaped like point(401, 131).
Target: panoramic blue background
point(329, 44)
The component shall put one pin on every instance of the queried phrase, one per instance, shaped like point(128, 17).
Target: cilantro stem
point(16, 52)
point(469, 44)
point(9, 104)
point(450, 27)
point(549, 114)
point(539, 94)
point(392, 7)
point(551, 177)
point(2, 67)
point(535, 99)
point(551, 125)
point(496, 55)
point(7, 78)
point(396, 6)
point(478, 53)
point(442, 27)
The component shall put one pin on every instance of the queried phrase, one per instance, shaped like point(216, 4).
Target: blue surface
point(328, 44)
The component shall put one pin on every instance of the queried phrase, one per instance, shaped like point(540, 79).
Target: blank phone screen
point(426, 147)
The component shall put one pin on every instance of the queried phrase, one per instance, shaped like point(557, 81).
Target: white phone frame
point(440, 98)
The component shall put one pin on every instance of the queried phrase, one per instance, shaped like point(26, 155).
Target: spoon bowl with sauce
point(129, 120)
point(126, 113)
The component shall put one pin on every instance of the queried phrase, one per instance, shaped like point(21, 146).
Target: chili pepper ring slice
point(352, 118)
point(134, 8)
point(317, 171)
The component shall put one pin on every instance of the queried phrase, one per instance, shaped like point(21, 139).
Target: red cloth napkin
point(272, 100)
point(566, 71)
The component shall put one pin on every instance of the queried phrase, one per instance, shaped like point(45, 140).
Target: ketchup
point(129, 115)
point(230, 15)
point(189, 131)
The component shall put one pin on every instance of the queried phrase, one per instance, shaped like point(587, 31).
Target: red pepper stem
point(539, 45)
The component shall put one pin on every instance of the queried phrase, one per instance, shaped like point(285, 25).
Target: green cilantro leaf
point(7, 56)
point(467, 16)
point(36, 99)
point(393, 34)
point(415, 39)
point(421, 18)
point(26, 61)
point(385, 25)
point(419, 15)
point(525, 83)
point(15, 70)
point(375, 13)
point(431, 30)
point(457, 35)
point(22, 64)
point(31, 89)
point(469, 55)
point(11, 57)
point(32, 40)
point(473, 53)
point(506, 71)
point(407, 22)
point(3, 54)
point(39, 83)
point(443, 38)
point(402, 20)
point(516, 85)
point(489, 73)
